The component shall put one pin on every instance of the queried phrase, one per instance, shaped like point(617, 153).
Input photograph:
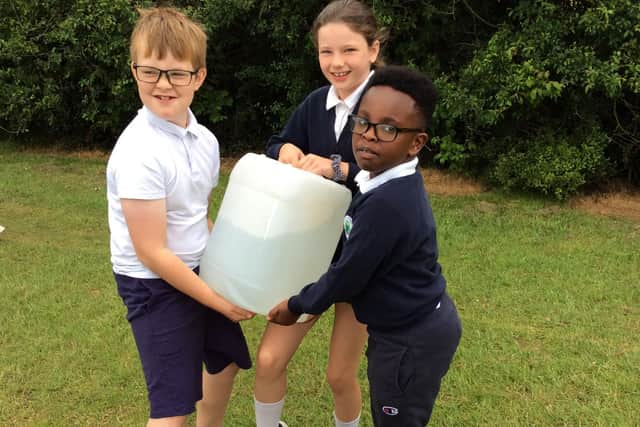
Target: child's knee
point(341, 380)
point(269, 363)
point(208, 402)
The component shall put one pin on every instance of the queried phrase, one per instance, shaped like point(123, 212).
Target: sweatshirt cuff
point(351, 183)
point(294, 305)
point(273, 150)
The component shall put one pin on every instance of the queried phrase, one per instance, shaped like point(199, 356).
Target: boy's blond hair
point(163, 29)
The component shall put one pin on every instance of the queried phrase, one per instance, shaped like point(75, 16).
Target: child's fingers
point(314, 164)
point(290, 153)
point(243, 314)
point(273, 314)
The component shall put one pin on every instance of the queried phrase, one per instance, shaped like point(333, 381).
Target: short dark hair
point(415, 84)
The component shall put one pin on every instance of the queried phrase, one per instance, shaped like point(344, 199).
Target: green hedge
point(555, 79)
point(535, 95)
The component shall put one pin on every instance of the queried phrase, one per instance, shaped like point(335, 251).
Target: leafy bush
point(550, 68)
point(262, 59)
point(511, 74)
point(552, 164)
point(64, 68)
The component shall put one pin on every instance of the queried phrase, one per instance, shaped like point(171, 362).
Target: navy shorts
point(405, 367)
point(175, 334)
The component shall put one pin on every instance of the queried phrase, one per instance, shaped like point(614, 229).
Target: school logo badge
point(348, 225)
point(390, 410)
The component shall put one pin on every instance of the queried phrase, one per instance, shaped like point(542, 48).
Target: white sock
point(268, 414)
point(352, 423)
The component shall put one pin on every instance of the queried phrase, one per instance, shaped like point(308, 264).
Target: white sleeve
point(140, 174)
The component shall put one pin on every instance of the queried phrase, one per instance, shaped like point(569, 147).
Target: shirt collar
point(169, 127)
point(366, 183)
point(351, 100)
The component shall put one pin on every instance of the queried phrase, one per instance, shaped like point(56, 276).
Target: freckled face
point(382, 104)
point(164, 99)
point(345, 57)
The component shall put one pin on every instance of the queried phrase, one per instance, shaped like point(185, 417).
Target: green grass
point(549, 298)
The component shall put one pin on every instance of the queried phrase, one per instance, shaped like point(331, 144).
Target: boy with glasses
point(388, 268)
point(159, 179)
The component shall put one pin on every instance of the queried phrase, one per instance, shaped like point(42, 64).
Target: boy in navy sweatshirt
point(388, 266)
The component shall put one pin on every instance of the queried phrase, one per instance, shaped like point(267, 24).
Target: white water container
point(276, 231)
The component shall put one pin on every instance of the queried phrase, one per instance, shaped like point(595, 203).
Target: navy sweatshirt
point(310, 128)
point(388, 268)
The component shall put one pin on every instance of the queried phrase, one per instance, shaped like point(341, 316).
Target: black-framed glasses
point(152, 75)
point(384, 132)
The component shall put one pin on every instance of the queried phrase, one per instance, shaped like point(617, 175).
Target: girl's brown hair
point(163, 29)
point(360, 19)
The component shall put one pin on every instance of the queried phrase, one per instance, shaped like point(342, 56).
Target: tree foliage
point(63, 67)
point(541, 95)
point(555, 79)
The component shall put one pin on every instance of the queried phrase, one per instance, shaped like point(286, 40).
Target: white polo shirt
point(154, 159)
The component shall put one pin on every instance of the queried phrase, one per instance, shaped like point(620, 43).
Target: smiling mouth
point(164, 98)
point(341, 74)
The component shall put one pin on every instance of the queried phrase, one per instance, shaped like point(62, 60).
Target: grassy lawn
point(549, 298)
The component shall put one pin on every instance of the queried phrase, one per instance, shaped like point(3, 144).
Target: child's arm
point(146, 220)
point(364, 253)
point(321, 166)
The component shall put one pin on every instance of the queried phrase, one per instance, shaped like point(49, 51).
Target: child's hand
point(233, 312)
point(316, 164)
point(281, 315)
point(290, 154)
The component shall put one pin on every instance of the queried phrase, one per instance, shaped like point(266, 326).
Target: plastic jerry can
point(275, 232)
